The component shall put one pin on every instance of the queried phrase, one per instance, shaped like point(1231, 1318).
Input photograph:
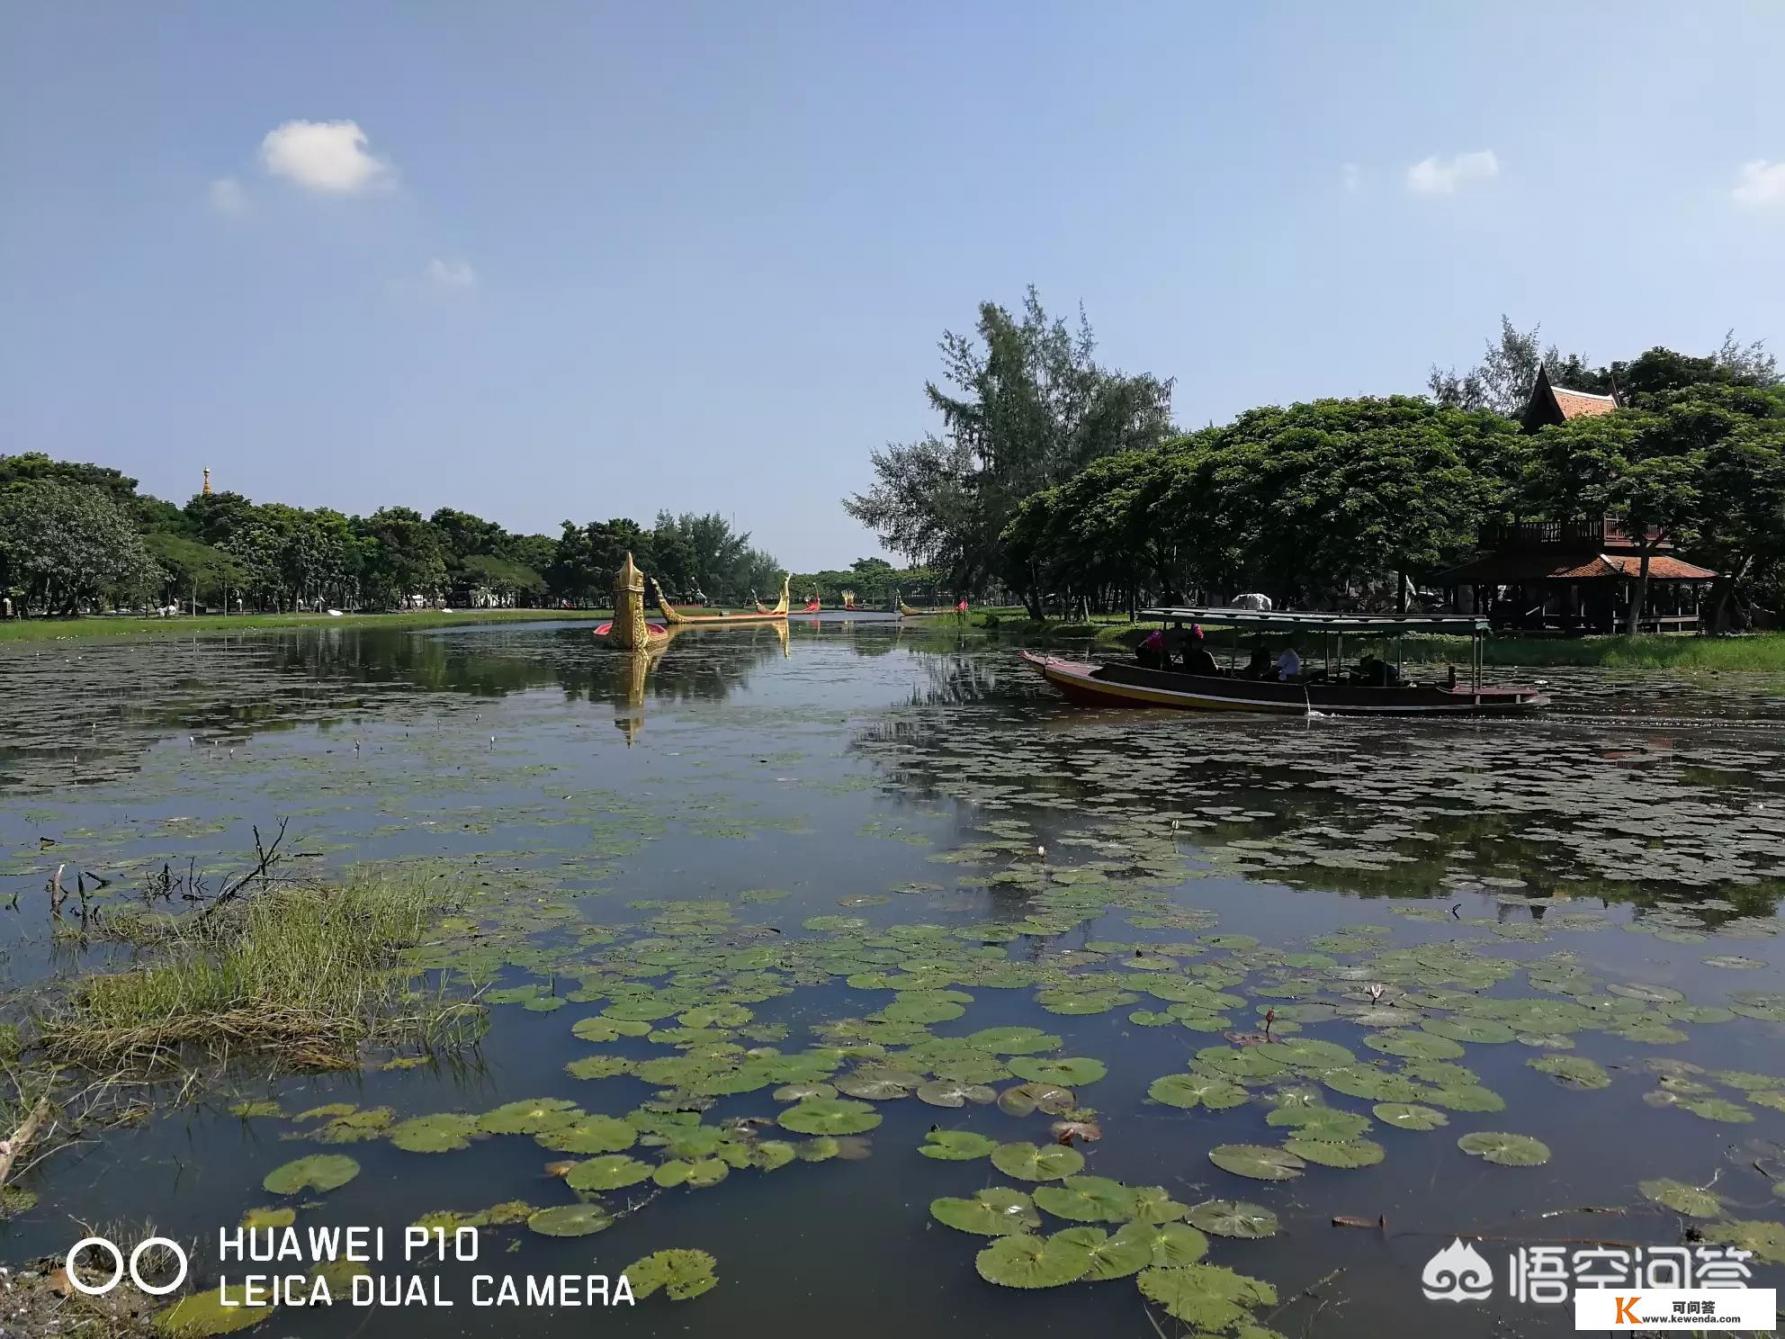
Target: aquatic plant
point(681, 1274)
point(569, 1220)
point(306, 973)
point(319, 1172)
point(1508, 1150)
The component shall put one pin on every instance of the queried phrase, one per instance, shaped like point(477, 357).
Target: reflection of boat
point(1131, 684)
point(759, 615)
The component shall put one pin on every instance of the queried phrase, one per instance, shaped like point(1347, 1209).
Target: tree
point(34, 465)
point(1029, 406)
point(1502, 380)
point(66, 545)
point(194, 571)
point(399, 555)
point(215, 517)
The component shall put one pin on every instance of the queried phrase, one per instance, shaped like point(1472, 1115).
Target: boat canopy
point(1392, 625)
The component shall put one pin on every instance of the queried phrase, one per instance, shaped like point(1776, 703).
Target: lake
point(795, 906)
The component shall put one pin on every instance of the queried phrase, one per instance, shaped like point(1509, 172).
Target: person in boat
point(1176, 639)
point(1260, 666)
point(1197, 659)
point(1151, 652)
point(1374, 672)
point(1289, 664)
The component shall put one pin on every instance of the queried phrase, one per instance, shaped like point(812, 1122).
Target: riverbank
point(121, 626)
point(1752, 653)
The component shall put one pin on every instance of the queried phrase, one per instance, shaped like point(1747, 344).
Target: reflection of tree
point(103, 709)
point(1283, 807)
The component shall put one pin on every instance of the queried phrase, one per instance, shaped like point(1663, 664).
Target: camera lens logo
point(119, 1267)
point(1457, 1274)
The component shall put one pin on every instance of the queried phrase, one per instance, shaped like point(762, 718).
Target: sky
point(544, 261)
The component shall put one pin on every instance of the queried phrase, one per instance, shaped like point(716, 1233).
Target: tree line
point(77, 537)
point(1068, 482)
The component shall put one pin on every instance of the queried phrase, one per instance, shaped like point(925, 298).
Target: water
point(777, 821)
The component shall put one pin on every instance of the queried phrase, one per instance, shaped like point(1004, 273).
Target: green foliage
point(66, 546)
point(322, 1171)
point(1027, 407)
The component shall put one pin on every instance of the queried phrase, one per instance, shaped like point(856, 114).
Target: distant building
point(1549, 405)
point(1578, 574)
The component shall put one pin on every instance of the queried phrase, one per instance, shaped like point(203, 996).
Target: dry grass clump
point(307, 975)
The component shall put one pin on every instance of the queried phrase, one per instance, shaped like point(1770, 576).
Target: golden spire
point(629, 632)
point(206, 489)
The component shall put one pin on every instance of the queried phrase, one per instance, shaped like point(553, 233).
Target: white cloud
point(1354, 177)
point(451, 273)
point(1760, 183)
point(1442, 176)
point(327, 156)
point(228, 197)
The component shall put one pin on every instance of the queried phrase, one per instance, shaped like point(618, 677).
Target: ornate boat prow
point(628, 630)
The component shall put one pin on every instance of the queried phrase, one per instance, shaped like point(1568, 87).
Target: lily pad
point(995, 1212)
point(1571, 1071)
point(202, 1314)
point(1766, 1240)
point(956, 1145)
point(1013, 1040)
point(1027, 1261)
point(1233, 1218)
point(1693, 1201)
point(1507, 1150)
point(570, 1220)
point(829, 1115)
point(1335, 1152)
point(1032, 1162)
point(1111, 1257)
point(1197, 1090)
point(607, 1173)
point(680, 1274)
point(1262, 1162)
point(589, 1134)
point(1088, 1199)
point(443, 1132)
point(1409, 1115)
point(1168, 1244)
point(948, 1093)
point(1067, 1073)
point(319, 1172)
point(1048, 1098)
point(528, 1117)
point(1205, 1297)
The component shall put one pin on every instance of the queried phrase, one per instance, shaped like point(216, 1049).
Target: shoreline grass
point(120, 627)
point(304, 975)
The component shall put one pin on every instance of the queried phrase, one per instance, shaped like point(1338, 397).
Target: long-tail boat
point(1329, 691)
point(757, 615)
point(911, 611)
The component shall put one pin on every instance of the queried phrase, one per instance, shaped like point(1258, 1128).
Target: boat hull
point(1119, 685)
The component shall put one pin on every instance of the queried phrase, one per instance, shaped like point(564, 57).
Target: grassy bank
point(1755, 653)
point(110, 626)
point(305, 976)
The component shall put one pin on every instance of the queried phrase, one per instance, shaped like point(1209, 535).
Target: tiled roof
point(1502, 569)
point(1581, 404)
point(1662, 567)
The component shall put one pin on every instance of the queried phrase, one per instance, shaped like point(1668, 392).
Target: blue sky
point(585, 260)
